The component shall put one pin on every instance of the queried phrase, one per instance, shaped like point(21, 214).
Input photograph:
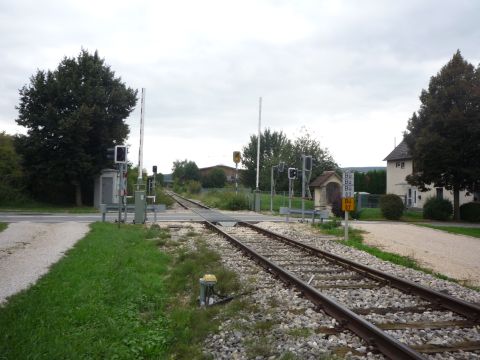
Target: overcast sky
point(350, 72)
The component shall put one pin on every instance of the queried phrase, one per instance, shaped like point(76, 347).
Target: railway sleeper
point(466, 346)
point(426, 325)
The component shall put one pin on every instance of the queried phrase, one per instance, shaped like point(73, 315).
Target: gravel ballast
point(299, 329)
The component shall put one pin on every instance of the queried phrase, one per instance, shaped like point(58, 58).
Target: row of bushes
point(392, 208)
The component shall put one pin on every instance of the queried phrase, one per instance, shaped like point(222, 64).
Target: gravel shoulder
point(28, 249)
point(453, 255)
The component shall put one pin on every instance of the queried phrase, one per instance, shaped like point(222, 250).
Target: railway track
point(349, 292)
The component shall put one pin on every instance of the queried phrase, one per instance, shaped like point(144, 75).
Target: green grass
point(218, 199)
point(115, 295)
point(375, 214)
point(280, 200)
point(3, 226)
point(48, 208)
point(474, 232)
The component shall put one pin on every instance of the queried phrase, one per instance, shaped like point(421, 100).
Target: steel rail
point(464, 308)
point(172, 194)
point(373, 335)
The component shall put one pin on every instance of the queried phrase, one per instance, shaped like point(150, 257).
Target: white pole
point(140, 149)
point(258, 140)
point(346, 225)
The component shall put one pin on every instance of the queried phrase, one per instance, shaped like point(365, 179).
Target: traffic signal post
point(292, 175)
point(120, 158)
point(306, 167)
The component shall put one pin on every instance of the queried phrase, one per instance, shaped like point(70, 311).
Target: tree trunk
point(78, 194)
point(456, 203)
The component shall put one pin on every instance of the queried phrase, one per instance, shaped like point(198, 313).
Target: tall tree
point(72, 115)
point(373, 182)
point(183, 171)
point(11, 172)
point(322, 159)
point(443, 136)
point(216, 178)
point(274, 147)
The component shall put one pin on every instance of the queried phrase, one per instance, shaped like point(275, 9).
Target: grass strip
point(49, 209)
point(355, 240)
point(375, 214)
point(3, 226)
point(474, 232)
point(114, 295)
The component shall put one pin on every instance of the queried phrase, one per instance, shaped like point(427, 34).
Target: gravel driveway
point(456, 256)
point(28, 249)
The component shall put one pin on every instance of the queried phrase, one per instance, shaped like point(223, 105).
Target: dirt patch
point(28, 249)
point(453, 255)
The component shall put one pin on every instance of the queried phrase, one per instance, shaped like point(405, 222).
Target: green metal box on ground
point(140, 206)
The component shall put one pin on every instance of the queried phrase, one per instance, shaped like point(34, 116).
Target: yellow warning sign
point(348, 204)
point(236, 157)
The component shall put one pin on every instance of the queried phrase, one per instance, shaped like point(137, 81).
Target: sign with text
point(348, 204)
point(348, 177)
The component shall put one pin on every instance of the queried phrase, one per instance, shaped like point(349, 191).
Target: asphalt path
point(165, 216)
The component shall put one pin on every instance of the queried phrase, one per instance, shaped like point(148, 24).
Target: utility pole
point(140, 198)
point(303, 188)
point(257, 190)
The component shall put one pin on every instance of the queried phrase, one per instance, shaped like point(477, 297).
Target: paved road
point(169, 215)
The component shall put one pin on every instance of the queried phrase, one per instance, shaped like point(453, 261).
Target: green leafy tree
point(274, 147)
point(216, 178)
point(306, 145)
point(184, 171)
point(373, 182)
point(11, 172)
point(72, 115)
point(443, 135)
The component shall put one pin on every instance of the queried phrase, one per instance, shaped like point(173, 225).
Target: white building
point(399, 165)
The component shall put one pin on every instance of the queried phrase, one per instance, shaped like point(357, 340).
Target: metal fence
point(367, 201)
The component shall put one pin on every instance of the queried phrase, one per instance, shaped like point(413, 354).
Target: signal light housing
point(120, 154)
point(292, 173)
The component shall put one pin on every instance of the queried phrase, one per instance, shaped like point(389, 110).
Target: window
point(400, 164)
point(439, 193)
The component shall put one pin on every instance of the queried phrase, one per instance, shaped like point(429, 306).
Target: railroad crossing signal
point(237, 157)
point(111, 153)
point(292, 173)
point(120, 154)
point(308, 163)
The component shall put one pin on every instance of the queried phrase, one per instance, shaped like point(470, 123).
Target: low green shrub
point(332, 224)
point(235, 202)
point(194, 187)
point(163, 198)
point(391, 206)
point(470, 212)
point(437, 209)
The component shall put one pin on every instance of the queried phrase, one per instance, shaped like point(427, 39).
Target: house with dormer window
point(399, 166)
